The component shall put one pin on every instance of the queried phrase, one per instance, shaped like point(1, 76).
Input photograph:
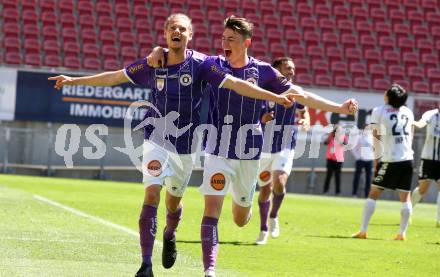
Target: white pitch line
point(91, 217)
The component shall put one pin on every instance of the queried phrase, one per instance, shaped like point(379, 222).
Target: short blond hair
point(176, 15)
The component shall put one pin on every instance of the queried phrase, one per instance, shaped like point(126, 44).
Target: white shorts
point(162, 167)
point(221, 174)
point(281, 161)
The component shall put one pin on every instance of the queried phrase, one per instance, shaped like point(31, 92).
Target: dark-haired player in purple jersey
point(277, 155)
point(175, 88)
point(233, 156)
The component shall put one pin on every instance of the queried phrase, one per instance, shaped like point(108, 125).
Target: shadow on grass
point(339, 237)
point(433, 243)
point(238, 243)
point(385, 224)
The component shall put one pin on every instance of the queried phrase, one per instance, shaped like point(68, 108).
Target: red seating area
point(344, 44)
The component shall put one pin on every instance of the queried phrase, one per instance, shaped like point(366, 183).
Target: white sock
point(438, 207)
point(405, 213)
point(370, 206)
point(416, 196)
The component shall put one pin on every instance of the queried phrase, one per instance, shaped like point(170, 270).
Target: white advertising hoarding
point(8, 79)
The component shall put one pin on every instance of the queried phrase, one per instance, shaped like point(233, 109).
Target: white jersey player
point(430, 164)
point(392, 127)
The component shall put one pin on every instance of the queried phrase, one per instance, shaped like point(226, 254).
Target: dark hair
point(396, 96)
point(174, 15)
point(279, 61)
point(240, 25)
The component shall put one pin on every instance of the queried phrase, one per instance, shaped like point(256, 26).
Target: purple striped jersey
point(284, 136)
point(176, 88)
point(237, 118)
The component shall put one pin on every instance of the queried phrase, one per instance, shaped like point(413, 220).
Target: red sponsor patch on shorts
point(218, 181)
point(154, 168)
point(265, 176)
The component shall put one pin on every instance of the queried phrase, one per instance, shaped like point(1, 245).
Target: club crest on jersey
point(160, 84)
point(271, 104)
point(252, 80)
point(185, 79)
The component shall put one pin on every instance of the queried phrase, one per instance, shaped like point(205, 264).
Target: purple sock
point(147, 231)
point(276, 204)
point(172, 222)
point(264, 213)
point(209, 237)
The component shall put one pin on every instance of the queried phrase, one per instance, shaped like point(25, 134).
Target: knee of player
point(240, 222)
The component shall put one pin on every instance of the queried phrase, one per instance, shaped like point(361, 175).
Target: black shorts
point(394, 176)
point(429, 170)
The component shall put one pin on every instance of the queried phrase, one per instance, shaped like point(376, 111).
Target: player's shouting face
point(178, 32)
point(234, 45)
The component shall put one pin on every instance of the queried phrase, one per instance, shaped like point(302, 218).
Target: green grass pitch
point(98, 235)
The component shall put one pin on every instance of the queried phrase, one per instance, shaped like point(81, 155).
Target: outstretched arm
point(312, 100)
point(110, 78)
point(420, 124)
point(250, 90)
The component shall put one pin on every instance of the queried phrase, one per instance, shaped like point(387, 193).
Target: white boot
point(262, 238)
point(274, 227)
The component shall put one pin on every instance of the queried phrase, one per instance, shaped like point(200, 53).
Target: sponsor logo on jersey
point(217, 71)
point(271, 104)
point(154, 168)
point(185, 80)
point(135, 68)
point(218, 181)
point(265, 176)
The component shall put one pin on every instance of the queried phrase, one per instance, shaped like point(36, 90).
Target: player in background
point(233, 162)
point(276, 161)
point(430, 163)
point(392, 127)
point(176, 88)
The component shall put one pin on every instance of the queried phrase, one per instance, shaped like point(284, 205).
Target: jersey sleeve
point(275, 82)
point(139, 73)
point(211, 72)
point(375, 115)
point(427, 116)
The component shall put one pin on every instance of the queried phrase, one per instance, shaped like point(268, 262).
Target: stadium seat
point(212, 4)
point(87, 22)
point(201, 29)
point(415, 17)
point(364, 27)
point(391, 57)
point(105, 23)
point(289, 23)
point(341, 12)
point(420, 32)
point(434, 75)
point(425, 46)
point(274, 35)
point(249, 6)
point(215, 17)
point(296, 51)
point(25, 5)
point(68, 20)
point(435, 88)
point(327, 24)
point(140, 12)
point(411, 5)
point(71, 49)
point(342, 82)
point(145, 40)
point(48, 18)
point(29, 17)
point(308, 24)
point(13, 58)
point(258, 48)
point(127, 39)
point(403, 83)
point(231, 6)
point(349, 41)
point(323, 80)
point(194, 4)
point(122, 10)
point(197, 16)
point(401, 31)
point(406, 44)
point(329, 39)
point(381, 84)
point(435, 33)
point(277, 50)
point(304, 10)
point(10, 15)
point(12, 44)
point(429, 61)
point(109, 52)
point(387, 43)
point(361, 83)
point(72, 62)
point(368, 42)
point(322, 10)
point(286, 9)
point(397, 16)
point(31, 31)
point(396, 72)
point(92, 64)
point(420, 87)
point(124, 24)
point(304, 79)
point(66, 6)
point(433, 18)
point(429, 5)
point(271, 21)
point(51, 47)
point(47, 5)
point(143, 26)
point(345, 26)
point(378, 15)
point(353, 55)
point(377, 71)
point(52, 61)
point(320, 67)
point(416, 73)
point(311, 38)
point(88, 36)
point(334, 54)
point(85, 8)
point(112, 64)
point(315, 52)
point(373, 56)
point(292, 37)
point(32, 59)
point(410, 59)
point(437, 45)
point(382, 29)
point(203, 44)
point(358, 69)
point(129, 53)
point(302, 66)
point(32, 46)
point(11, 30)
point(90, 50)
point(50, 33)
